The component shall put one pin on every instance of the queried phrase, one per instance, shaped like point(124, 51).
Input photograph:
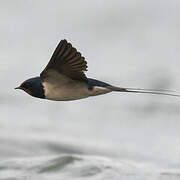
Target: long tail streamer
point(146, 91)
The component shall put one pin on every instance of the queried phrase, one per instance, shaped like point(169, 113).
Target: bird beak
point(18, 87)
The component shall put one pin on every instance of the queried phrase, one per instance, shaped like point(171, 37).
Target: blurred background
point(127, 43)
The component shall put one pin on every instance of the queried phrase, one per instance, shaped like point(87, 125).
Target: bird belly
point(65, 92)
point(71, 91)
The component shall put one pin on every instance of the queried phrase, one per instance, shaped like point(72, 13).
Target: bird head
point(33, 87)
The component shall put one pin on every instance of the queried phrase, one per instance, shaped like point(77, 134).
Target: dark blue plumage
point(34, 87)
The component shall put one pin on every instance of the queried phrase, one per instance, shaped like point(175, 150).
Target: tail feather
point(146, 91)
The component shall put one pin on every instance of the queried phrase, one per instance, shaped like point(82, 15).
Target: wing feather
point(68, 61)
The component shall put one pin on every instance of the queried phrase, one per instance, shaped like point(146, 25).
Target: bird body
point(63, 79)
point(65, 90)
point(72, 91)
point(62, 88)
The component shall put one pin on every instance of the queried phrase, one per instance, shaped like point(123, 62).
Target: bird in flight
point(63, 79)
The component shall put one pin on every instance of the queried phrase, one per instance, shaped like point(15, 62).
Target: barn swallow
point(63, 79)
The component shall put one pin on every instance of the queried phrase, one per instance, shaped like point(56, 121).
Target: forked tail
point(146, 91)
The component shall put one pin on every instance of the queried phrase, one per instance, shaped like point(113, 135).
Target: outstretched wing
point(67, 61)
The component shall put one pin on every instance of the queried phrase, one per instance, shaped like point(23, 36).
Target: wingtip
point(64, 41)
